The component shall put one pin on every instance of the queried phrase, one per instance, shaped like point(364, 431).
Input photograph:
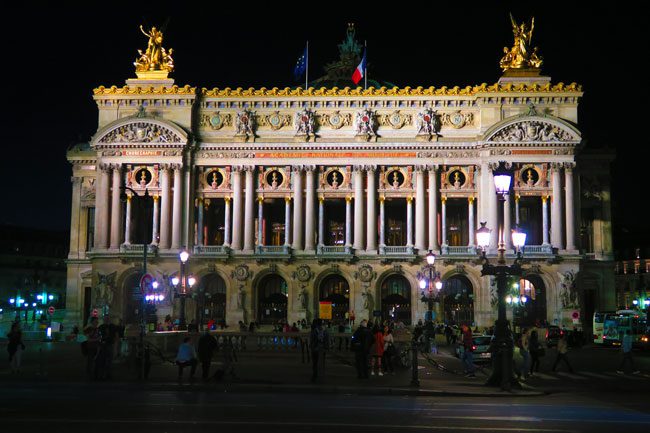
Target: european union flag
point(301, 66)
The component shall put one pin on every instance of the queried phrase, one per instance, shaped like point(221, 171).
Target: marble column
point(493, 215)
point(382, 223)
point(348, 221)
point(199, 222)
point(409, 221)
point(155, 232)
point(177, 208)
point(116, 208)
point(260, 221)
point(298, 217)
point(249, 206)
point(102, 216)
point(545, 220)
point(237, 209)
point(165, 211)
point(358, 208)
point(433, 209)
point(287, 221)
point(310, 205)
point(127, 222)
point(470, 213)
point(226, 222)
point(507, 223)
point(569, 206)
point(420, 207)
point(517, 198)
point(444, 220)
point(321, 221)
point(371, 209)
point(556, 207)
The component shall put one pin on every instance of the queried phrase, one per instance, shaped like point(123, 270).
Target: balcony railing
point(454, 250)
point(537, 250)
point(211, 250)
point(273, 250)
point(138, 249)
point(396, 250)
point(334, 249)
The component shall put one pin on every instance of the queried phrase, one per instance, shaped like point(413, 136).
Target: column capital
point(517, 197)
point(176, 166)
point(432, 167)
point(495, 164)
point(309, 168)
point(420, 168)
point(76, 180)
point(358, 168)
point(470, 199)
point(556, 166)
point(381, 198)
point(248, 168)
point(544, 198)
point(115, 166)
point(321, 199)
point(104, 167)
point(260, 199)
point(164, 166)
point(569, 166)
point(287, 199)
point(409, 199)
point(348, 199)
point(443, 198)
point(155, 198)
point(297, 168)
point(237, 168)
point(226, 199)
point(371, 168)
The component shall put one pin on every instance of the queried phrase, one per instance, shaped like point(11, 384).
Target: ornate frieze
point(449, 154)
point(245, 123)
point(216, 120)
point(365, 124)
point(304, 122)
point(457, 119)
point(141, 132)
point(532, 131)
point(335, 120)
point(395, 120)
point(457, 178)
point(275, 120)
point(427, 123)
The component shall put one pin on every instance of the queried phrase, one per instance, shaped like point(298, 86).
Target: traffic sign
point(145, 282)
point(50, 310)
point(575, 315)
point(95, 312)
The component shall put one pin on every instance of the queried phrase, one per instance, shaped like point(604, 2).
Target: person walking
point(524, 347)
point(389, 350)
point(318, 344)
point(207, 346)
point(185, 357)
point(468, 351)
point(15, 347)
point(562, 349)
point(626, 347)
point(378, 351)
point(90, 347)
point(535, 352)
point(361, 341)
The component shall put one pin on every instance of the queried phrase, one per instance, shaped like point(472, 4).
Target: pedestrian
point(185, 357)
point(318, 344)
point(389, 350)
point(107, 337)
point(626, 347)
point(360, 345)
point(378, 350)
point(562, 349)
point(468, 351)
point(524, 345)
point(90, 346)
point(448, 333)
point(536, 351)
point(207, 345)
point(15, 347)
point(193, 327)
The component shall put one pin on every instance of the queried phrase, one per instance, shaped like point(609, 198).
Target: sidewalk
point(261, 371)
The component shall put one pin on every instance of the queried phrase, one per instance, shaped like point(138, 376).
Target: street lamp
point(182, 286)
point(502, 372)
point(429, 280)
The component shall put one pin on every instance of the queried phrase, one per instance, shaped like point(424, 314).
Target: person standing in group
point(15, 347)
point(524, 345)
point(626, 347)
point(361, 341)
point(562, 349)
point(207, 345)
point(318, 343)
point(535, 349)
point(389, 350)
point(107, 338)
point(378, 351)
point(185, 357)
point(90, 347)
point(468, 351)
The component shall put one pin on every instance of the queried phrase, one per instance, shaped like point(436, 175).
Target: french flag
point(360, 72)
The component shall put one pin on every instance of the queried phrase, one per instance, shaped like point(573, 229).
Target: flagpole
point(365, 67)
point(307, 67)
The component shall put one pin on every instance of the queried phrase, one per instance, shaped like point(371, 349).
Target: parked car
point(553, 335)
point(481, 348)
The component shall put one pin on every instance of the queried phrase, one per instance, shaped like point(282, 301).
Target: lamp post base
point(502, 364)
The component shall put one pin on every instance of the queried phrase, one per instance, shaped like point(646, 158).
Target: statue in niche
point(456, 180)
point(335, 181)
point(105, 289)
point(274, 180)
point(368, 302)
point(240, 298)
point(529, 177)
point(302, 298)
point(395, 180)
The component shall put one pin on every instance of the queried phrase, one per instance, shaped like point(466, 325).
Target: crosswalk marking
point(571, 376)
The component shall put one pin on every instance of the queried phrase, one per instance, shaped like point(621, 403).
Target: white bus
point(609, 327)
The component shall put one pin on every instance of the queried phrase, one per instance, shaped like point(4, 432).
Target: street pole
point(181, 318)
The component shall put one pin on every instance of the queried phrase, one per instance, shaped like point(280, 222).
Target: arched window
point(272, 299)
point(214, 299)
point(458, 300)
point(335, 289)
point(396, 299)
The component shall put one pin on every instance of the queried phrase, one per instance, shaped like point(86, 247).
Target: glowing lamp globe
point(483, 236)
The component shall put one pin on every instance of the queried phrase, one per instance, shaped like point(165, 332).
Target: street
point(273, 393)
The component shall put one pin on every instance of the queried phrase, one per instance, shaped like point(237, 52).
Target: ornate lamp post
point(502, 372)
point(429, 280)
point(182, 286)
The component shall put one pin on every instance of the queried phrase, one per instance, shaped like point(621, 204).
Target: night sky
point(53, 56)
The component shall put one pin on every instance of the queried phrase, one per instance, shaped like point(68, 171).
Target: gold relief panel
point(529, 176)
point(274, 120)
point(216, 120)
point(395, 120)
point(141, 176)
point(216, 178)
point(335, 120)
point(335, 178)
point(395, 178)
point(274, 178)
point(457, 119)
point(457, 177)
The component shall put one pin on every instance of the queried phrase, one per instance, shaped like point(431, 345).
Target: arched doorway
point(272, 299)
point(533, 312)
point(335, 289)
point(133, 301)
point(214, 299)
point(457, 297)
point(396, 299)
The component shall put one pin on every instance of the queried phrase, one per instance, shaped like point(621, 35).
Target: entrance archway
point(458, 300)
point(272, 299)
point(132, 301)
point(335, 289)
point(396, 299)
point(214, 299)
point(533, 312)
